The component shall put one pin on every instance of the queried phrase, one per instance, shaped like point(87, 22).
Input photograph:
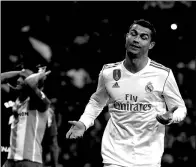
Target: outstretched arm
point(94, 107)
point(96, 103)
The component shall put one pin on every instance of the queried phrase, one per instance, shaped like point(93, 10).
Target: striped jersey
point(27, 131)
point(133, 136)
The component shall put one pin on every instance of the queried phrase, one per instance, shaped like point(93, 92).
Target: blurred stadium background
point(74, 39)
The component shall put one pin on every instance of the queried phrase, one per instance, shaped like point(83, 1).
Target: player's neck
point(135, 64)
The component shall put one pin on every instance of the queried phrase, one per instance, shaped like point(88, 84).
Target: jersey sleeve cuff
point(86, 121)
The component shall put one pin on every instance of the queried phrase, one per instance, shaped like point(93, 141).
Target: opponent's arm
point(42, 101)
point(5, 76)
point(54, 148)
point(176, 106)
point(50, 139)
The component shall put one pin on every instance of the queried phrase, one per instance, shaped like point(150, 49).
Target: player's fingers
point(43, 75)
point(158, 117)
point(47, 73)
point(173, 109)
point(72, 122)
point(68, 134)
point(73, 136)
point(161, 119)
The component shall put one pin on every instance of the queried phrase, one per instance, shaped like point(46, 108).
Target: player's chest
point(25, 113)
point(133, 86)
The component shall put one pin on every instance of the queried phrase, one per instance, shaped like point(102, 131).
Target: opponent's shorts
point(23, 163)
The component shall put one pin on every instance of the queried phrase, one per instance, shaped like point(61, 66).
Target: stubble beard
point(132, 55)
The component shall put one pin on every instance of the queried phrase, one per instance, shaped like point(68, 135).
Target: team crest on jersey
point(149, 88)
point(116, 74)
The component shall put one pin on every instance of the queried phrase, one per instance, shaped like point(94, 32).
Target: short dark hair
point(147, 24)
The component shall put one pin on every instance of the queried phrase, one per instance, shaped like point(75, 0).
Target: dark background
point(105, 24)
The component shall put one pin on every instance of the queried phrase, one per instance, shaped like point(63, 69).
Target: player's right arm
point(94, 107)
point(53, 140)
point(42, 102)
point(6, 77)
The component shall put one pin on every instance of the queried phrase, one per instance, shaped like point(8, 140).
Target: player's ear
point(151, 45)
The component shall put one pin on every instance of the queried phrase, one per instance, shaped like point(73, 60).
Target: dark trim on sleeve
point(166, 80)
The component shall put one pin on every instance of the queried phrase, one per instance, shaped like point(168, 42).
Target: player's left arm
point(176, 106)
point(50, 141)
point(40, 99)
point(53, 141)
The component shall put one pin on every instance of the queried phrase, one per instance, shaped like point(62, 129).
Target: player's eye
point(133, 33)
point(144, 37)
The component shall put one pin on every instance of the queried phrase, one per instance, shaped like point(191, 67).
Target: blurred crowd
point(75, 66)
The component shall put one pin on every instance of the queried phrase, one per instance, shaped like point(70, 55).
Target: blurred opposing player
point(31, 116)
point(136, 91)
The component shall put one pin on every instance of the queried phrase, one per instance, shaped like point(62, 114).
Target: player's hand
point(33, 79)
point(166, 118)
point(76, 131)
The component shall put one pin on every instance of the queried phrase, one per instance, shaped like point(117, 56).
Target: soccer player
point(31, 116)
point(138, 91)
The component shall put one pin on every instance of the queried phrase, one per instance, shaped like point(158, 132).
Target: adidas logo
point(116, 85)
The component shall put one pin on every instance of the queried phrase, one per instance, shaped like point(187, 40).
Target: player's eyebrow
point(142, 33)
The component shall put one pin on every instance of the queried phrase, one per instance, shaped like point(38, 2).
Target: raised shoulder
point(156, 65)
point(111, 65)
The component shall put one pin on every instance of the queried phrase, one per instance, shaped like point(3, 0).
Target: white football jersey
point(133, 136)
